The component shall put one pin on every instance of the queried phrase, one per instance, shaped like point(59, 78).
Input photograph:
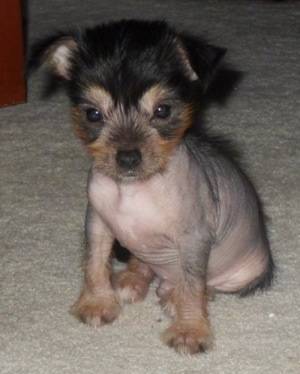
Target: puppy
point(188, 215)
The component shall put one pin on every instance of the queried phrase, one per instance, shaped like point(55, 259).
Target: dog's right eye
point(93, 115)
point(162, 111)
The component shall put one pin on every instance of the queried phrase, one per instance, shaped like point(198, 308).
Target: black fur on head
point(125, 58)
point(134, 87)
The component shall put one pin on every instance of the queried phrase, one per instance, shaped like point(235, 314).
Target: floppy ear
point(53, 54)
point(199, 58)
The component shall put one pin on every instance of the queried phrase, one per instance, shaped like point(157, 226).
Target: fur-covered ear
point(54, 54)
point(199, 58)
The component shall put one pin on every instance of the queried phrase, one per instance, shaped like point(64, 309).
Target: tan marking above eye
point(153, 97)
point(99, 98)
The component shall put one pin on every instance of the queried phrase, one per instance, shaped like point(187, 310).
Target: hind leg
point(251, 270)
point(132, 284)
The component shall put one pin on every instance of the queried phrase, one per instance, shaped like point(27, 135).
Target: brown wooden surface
point(12, 84)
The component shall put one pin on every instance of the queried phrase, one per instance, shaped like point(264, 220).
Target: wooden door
point(12, 82)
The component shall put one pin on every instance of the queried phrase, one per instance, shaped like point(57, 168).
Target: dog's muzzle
point(129, 159)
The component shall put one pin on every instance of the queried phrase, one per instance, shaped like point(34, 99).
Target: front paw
point(96, 310)
point(188, 339)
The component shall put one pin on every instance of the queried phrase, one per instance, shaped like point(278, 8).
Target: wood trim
point(12, 82)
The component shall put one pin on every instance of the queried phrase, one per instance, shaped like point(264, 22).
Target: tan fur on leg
point(190, 331)
point(97, 303)
point(132, 284)
point(96, 307)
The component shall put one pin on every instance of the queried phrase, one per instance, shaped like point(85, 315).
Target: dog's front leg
point(190, 330)
point(97, 303)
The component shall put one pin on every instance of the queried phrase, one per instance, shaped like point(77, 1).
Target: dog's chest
point(142, 216)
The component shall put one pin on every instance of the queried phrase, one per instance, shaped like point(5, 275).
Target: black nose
point(129, 159)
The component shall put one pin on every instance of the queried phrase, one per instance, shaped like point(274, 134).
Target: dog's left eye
point(162, 111)
point(93, 115)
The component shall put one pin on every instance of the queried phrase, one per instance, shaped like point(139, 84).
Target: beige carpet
point(43, 178)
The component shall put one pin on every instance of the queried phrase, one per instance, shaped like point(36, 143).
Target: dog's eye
point(162, 111)
point(93, 115)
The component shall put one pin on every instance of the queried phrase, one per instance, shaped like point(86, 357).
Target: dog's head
point(133, 87)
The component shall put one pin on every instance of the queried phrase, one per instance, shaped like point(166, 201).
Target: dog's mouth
point(130, 175)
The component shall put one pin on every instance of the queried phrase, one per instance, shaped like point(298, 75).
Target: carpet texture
point(43, 198)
